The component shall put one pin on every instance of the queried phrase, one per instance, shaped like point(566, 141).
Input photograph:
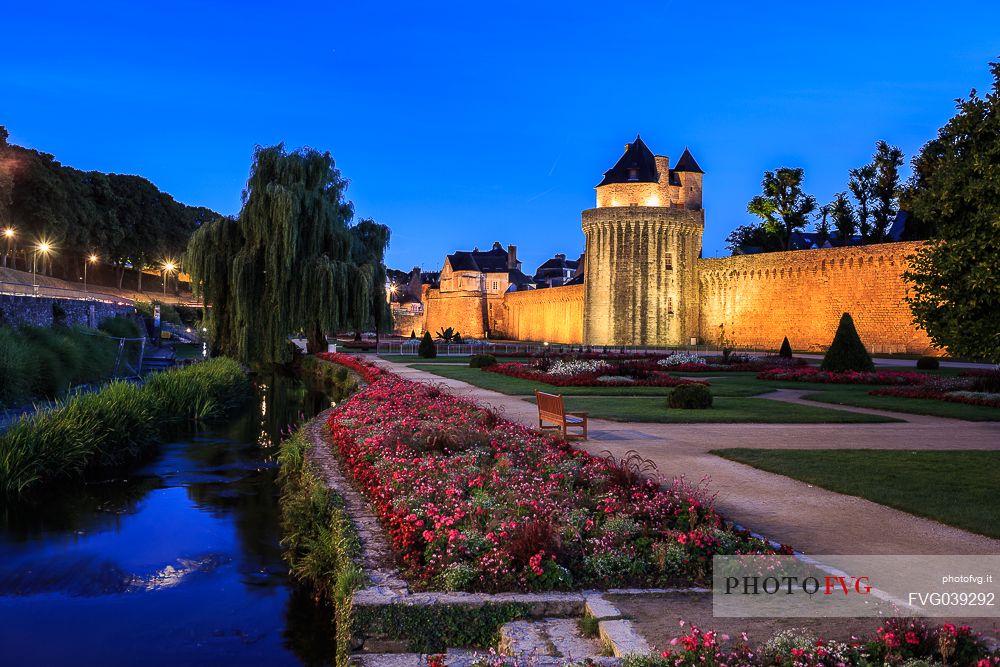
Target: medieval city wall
point(802, 294)
point(553, 315)
point(463, 311)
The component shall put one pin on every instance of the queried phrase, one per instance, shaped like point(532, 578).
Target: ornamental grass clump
point(690, 397)
point(847, 352)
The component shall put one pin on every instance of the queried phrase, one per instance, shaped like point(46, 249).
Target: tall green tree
point(887, 160)
point(290, 262)
point(862, 187)
point(783, 206)
point(842, 218)
point(956, 187)
point(823, 225)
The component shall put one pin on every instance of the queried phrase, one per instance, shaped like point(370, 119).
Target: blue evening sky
point(461, 123)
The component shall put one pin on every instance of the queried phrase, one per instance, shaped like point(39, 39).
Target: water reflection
point(176, 562)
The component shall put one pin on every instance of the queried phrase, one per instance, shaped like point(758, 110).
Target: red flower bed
point(936, 392)
point(474, 502)
point(367, 370)
point(525, 372)
point(810, 374)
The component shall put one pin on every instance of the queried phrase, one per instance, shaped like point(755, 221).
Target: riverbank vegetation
point(321, 544)
point(43, 362)
point(113, 426)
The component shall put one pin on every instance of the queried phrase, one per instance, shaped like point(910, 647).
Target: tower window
point(668, 262)
point(633, 174)
point(670, 305)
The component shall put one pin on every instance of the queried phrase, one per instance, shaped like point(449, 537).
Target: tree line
point(125, 220)
point(861, 214)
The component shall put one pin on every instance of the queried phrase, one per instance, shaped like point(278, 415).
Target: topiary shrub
point(482, 361)
point(413, 334)
point(693, 396)
point(426, 348)
point(847, 352)
point(928, 363)
point(786, 349)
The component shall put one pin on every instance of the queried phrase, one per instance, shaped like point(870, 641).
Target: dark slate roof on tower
point(637, 165)
point(688, 163)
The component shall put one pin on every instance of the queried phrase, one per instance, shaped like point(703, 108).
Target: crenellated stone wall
point(801, 294)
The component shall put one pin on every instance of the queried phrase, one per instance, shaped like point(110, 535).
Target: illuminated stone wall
point(553, 315)
point(463, 311)
point(641, 275)
point(802, 294)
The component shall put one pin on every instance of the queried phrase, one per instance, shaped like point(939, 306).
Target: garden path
point(811, 519)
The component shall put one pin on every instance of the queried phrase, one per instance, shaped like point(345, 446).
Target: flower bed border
point(812, 374)
point(521, 372)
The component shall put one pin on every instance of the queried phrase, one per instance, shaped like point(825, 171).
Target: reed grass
point(85, 432)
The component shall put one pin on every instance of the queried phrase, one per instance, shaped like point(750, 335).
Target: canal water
point(177, 562)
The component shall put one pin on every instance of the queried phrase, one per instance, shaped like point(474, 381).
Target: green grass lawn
point(859, 397)
point(729, 385)
point(954, 487)
point(726, 410)
point(414, 359)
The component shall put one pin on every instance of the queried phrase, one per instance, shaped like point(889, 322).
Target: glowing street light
point(168, 268)
point(90, 260)
point(43, 247)
point(8, 234)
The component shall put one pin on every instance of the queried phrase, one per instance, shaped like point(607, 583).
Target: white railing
point(409, 347)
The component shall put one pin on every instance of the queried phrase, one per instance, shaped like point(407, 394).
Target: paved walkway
point(813, 520)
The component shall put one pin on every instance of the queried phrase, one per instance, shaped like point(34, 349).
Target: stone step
point(548, 637)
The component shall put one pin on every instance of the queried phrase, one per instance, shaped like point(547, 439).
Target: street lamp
point(44, 247)
point(9, 235)
point(168, 268)
point(90, 260)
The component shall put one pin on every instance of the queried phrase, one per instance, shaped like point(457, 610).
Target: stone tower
point(643, 241)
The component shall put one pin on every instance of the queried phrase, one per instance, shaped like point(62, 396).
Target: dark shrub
point(482, 360)
point(847, 352)
point(928, 363)
point(786, 349)
point(413, 334)
point(121, 327)
point(426, 348)
point(692, 396)
point(457, 340)
point(58, 315)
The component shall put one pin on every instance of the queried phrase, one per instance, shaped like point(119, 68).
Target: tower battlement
point(643, 241)
point(640, 178)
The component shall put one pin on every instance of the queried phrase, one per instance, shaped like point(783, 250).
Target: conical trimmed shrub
point(786, 349)
point(426, 348)
point(847, 352)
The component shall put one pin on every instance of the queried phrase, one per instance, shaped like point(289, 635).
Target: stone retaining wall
point(44, 311)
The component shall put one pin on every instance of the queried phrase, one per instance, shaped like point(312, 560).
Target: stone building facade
point(646, 284)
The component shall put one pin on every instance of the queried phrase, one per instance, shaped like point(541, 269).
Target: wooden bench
point(552, 409)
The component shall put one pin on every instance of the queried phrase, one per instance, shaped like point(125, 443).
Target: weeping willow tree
point(290, 262)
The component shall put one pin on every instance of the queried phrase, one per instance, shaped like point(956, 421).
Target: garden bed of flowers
point(897, 641)
point(473, 502)
point(811, 374)
point(588, 373)
point(961, 389)
point(365, 369)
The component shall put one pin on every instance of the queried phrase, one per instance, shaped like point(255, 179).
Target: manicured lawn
point(414, 359)
point(858, 396)
point(954, 487)
point(731, 385)
point(518, 387)
point(725, 410)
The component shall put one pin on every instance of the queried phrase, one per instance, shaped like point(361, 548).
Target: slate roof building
point(556, 271)
point(492, 271)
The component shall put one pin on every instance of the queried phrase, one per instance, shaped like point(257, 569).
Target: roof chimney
point(561, 255)
point(512, 257)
